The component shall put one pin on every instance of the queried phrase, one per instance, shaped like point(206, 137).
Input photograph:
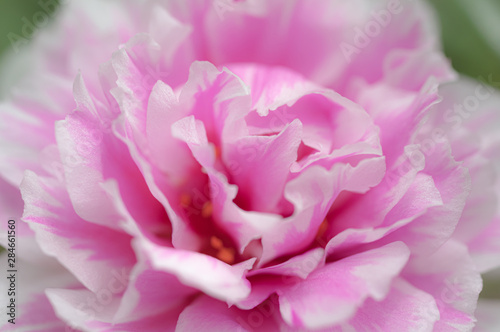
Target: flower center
point(217, 243)
point(224, 254)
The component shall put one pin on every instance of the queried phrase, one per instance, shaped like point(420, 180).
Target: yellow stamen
point(226, 255)
point(218, 152)
point(216, 243)
point(322, 228)
point(207, 209)
point(185, 200)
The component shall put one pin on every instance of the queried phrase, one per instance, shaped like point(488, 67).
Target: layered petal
point(406, 308)
point(211, 315)
point(333, 293)
point(451, 277)
point(200, 271)
point(80, 246)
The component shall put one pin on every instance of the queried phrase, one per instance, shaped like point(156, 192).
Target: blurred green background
point(470, 34)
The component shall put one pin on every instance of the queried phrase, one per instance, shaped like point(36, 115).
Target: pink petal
point(428, 232)
point(182, 235)
point(200, 271)
point(300, 265)
point(163, 111)
point(312, 194)
point(86, 249)
point(261, 177)
point(450, 276)
point(35, 114)
point(90, 312)
point(151, 292)
point(211, 315)
point(470, 118)
point(400, 118)
point(383, 210)
point(332, 294)
point(405, 308)
point(89, 153)
point(243, 226)
point(217, 98)
point(332, 25)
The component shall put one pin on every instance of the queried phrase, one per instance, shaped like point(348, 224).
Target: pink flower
point(249, 165)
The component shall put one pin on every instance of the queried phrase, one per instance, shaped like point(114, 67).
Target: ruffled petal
point(333, 294)
point(450, 276)
point(86, 249)
point(312, 194)
point(33, 311)
point(211, 315)
point(405, 309)
point(200, 271)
